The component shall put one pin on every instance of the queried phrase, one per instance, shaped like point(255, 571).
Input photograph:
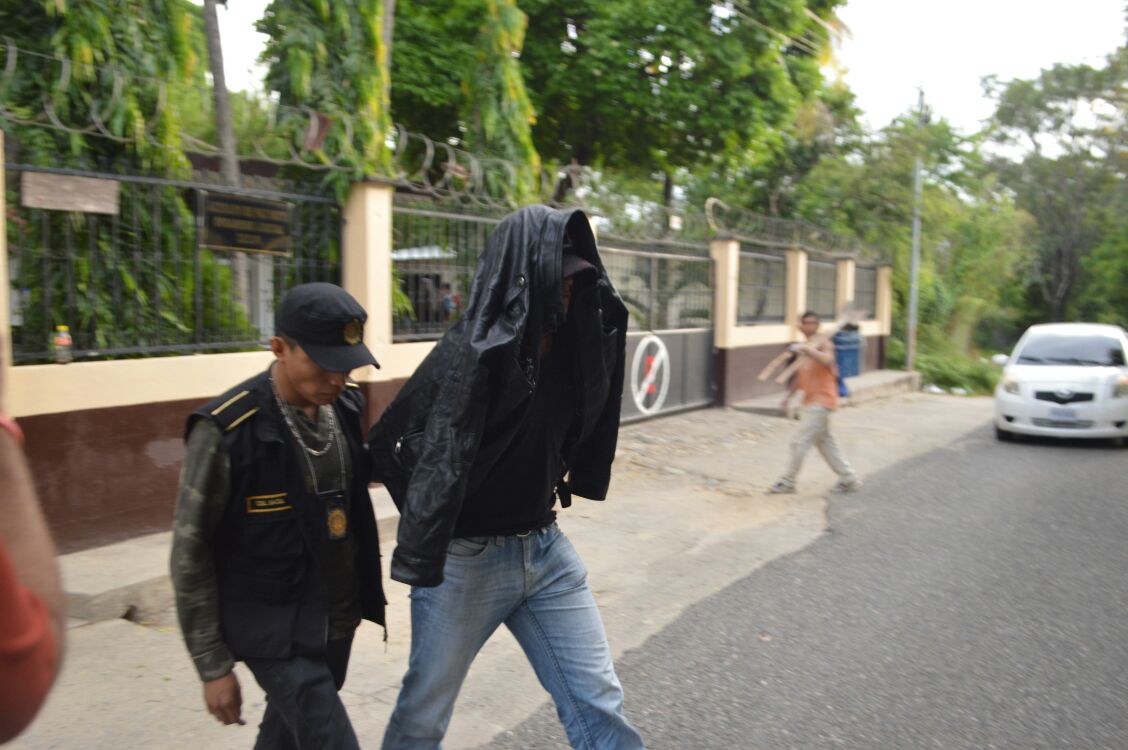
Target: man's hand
point(817, 353)
point(224, 700)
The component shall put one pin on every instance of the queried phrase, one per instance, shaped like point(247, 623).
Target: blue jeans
point(303, 709)
point(536, 585)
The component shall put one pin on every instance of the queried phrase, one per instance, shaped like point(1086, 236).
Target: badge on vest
point(336, 514)
point(268, 503)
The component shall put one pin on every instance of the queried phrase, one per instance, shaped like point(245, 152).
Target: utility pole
point(914, 268)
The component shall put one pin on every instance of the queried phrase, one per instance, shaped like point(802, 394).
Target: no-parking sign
point(650, 374)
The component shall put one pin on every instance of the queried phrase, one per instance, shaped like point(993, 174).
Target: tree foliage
point(152, 46)
point(328, 57)
point(129, 65)
point(647, 86)
point(654, 85)
point(974, 236)
point(1070, 126)
point(497, 111)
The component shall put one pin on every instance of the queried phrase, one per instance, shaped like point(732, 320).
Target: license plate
point(1063, 414)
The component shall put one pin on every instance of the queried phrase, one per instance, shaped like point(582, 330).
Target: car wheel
point(1003, 436)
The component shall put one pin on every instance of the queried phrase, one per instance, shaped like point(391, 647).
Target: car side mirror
point(999, 359)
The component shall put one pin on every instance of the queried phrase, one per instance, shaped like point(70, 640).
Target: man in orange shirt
point(817, 377)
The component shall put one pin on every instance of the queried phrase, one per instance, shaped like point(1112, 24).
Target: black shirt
point(517, 493)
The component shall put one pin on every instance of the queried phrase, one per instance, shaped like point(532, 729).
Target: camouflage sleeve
point(204, 483)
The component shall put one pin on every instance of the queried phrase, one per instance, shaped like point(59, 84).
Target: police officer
point(275, 553)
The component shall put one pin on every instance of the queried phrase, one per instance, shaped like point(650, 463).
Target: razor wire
point(424, 167)
point(782, 234)
point(420, 164)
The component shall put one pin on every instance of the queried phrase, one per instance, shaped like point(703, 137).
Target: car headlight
point(1010, 384)
point(1120, 390)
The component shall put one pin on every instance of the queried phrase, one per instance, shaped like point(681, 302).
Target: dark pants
point(303, 709)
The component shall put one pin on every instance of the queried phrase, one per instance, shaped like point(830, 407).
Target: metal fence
point(137, 282)
point(662, 290)
point(434, 253)
point(762, 288)
point(822, 288)
point(865, 290)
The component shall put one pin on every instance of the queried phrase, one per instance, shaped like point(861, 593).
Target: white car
point(1065, 380)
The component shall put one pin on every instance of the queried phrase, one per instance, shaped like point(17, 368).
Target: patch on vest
point(338, 524)
point(268, 503)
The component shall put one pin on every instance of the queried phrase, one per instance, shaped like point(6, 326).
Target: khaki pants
point(814, 429)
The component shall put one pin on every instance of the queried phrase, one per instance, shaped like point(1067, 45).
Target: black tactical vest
point(273, 601)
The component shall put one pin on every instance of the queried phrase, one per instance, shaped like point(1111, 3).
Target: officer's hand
point(223, 699)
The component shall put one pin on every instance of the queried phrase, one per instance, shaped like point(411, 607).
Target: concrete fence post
point(883, 312)
point(366, 262)
point(796, 299)
point(726, 278)
point(844, 288)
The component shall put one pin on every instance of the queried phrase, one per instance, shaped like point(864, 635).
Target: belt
point(530, 532)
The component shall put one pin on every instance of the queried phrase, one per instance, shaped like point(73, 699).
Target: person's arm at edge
point(37, 585)
point(24, 531)
point(204, 483)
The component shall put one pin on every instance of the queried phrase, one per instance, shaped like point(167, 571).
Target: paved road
point(972, 597)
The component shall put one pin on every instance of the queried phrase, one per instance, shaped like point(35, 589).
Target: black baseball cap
point(328, 324)
point(573, 264)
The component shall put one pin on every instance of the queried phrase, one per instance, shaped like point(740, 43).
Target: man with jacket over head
point(517, 405)
point(275, 554)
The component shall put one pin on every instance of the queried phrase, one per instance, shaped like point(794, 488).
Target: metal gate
point(669, 297)
point(134, 279)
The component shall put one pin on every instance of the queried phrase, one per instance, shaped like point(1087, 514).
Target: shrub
point(946, 367)
point(955, 370)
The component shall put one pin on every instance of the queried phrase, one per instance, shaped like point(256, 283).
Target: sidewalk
point(130, 579)
point(686, 516)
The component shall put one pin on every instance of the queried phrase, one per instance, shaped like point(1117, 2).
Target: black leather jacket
point(457, 413)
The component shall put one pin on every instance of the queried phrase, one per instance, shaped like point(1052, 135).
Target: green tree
point(99, 85)
point(125, 60)
point(497, 111)
point(974, 236)
point(329, 57)
point(1069, 127)
point(653, 86)
point(434, 46)
point(765, 177)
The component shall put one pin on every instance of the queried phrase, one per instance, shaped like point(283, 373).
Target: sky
point(947, 46)
point(894, 48)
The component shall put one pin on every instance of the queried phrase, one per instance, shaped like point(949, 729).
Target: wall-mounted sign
point(57, 192)
point(251, 225)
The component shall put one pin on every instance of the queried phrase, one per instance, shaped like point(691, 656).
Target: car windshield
point(1092, 350)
